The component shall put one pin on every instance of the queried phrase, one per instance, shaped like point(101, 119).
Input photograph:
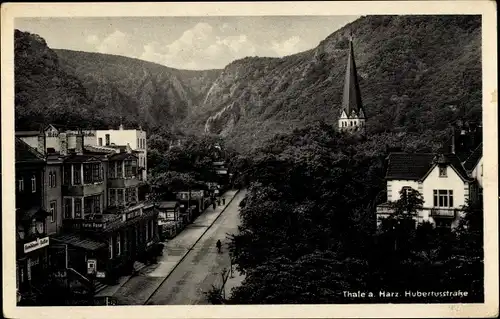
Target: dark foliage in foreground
point(309, 233)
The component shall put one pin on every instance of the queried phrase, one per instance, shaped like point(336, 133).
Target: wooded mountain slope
point(416, 73)
point(136, 90)
point(43, 91)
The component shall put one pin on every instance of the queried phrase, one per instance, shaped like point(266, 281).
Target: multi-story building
point(32, 240)
point(136, 139)
point(442, 180)
point(96, 208)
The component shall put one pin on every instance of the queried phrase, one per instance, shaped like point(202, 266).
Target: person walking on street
point(213, 204)
point(218, 201)
point(219, 246)
point(223, 201)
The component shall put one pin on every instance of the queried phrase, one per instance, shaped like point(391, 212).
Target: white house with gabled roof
point(441, 179)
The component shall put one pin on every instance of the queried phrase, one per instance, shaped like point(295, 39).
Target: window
point(97, 204)
point(112, 170)
point(87, 174)
point(67, 175)
point(78, 208)
point(119, 170)
point(77, 174)
point(118, 244)
point(481, 169)
point(406, 190)
point(53, 211)
point(111, 247)
point(112, 197)
point(130, 168)
point(100, 141)
point(52, 179)
point(442, 171)
point(127, 195)
point(33, 184)
point(443, 198)
point(120, 197)
point(138, 143)
point(96, 172)
point(68, 203)
point(20, 184)
point(350, 124)
point(107, 139)
point(147, 231)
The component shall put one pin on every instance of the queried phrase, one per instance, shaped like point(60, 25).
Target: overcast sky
point(186, 42)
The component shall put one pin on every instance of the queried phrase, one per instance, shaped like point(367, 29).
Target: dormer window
point(442, 171)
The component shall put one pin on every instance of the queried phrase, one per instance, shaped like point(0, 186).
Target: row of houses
point(82, 215)
point(447, 180)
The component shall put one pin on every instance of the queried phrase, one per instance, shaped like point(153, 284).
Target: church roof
point(352, 94)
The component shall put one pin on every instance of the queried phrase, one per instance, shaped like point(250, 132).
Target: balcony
point(83, 190)
point(443, 212)
point(124, 182)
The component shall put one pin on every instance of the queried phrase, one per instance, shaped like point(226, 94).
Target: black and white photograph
point(304, 154)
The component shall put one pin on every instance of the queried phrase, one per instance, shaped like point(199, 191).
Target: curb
point(191, 248)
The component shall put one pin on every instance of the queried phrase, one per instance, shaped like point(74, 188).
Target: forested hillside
point(417, 73)
point(139, 91)
point(43, 91)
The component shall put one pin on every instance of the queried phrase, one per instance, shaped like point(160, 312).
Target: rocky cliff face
point(416, 73)
point(137, 90)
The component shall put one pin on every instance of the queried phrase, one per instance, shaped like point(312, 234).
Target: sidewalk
point(233, 282)
point(176, 248)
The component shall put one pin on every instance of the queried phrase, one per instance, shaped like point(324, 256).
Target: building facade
point(32, 240)
point(136, 139)
point(441, 179)
point(90, 199)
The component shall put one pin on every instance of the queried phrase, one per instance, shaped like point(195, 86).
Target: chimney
point(79, 142)
point(63, 142)
point(453, 139)
point(42, 146)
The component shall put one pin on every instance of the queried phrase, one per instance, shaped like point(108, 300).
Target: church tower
point(352, 115)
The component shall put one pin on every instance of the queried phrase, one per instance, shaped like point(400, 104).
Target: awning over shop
point(80, 242)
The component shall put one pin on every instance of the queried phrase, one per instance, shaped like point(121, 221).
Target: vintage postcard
point(250, 160)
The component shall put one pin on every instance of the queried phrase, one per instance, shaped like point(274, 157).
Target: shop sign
point(91, 266)
point(36, 244)
point(101, 274)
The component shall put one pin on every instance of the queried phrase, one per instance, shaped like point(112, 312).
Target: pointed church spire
point(352, 94)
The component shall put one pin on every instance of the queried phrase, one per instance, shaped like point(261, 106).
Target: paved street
point(190, 265)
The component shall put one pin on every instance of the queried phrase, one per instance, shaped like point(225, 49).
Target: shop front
point(31, 269)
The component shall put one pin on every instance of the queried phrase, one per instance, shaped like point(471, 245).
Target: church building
point(352, 116)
